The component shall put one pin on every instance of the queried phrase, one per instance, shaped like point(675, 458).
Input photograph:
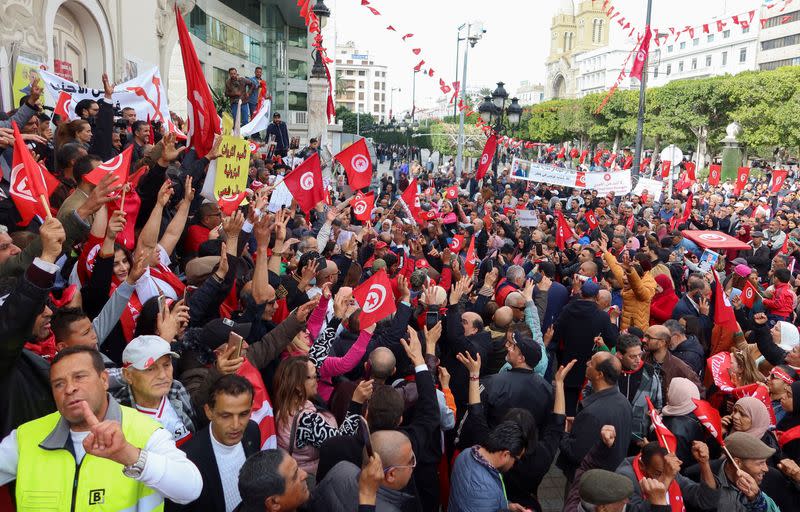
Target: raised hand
point(106, 439)
point(700, 452)
point(164, 193)
point(226, 363)
point(608, 434)
point(563, 371)
point(100, 195)
point(188, 191)
point(139, 266)
point(527, 291)
point(168, 152)
point(444, 377)
point(115, 224)
point(232, 225)
point(370, 480)
point(303, 311)
point(413, 348)
point(222, 269)
point(363, 392)
point(52, 235)
point(655, 491)
point(433, 334)
point(402, 287)
point(108, 87)
point(342, 302)
point(473, 366)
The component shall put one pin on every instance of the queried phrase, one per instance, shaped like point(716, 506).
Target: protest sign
point(654, 188)
point(618, 182)
point(280, 197)
point(528, 218)
point(543, 173)
point(232, 166)
point(25, 72)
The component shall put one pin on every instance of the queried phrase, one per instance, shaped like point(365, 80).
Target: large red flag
point(665, 438)
point(375, 298)
point(741, 180)
point(472, 260)
point(305, 183)
point(563, 231)
point(486, 158)
point(690, 168)
point(710, 419)
point(451, 193)
point(262, 412)
point(714, 173)
point(202, 117)
point(31, 184)
point(410, 199)
point(719, 367)
point(119, 166)
point(456, 244)
point(749, 294)
point(778, 179)
point(641, 55)
point(723, 311)
point(363, 204)
point(357, 164)
point(63, 105)
point(591, 218)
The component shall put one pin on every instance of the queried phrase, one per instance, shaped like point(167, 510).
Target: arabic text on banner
point(543, 173)
point(232, 166)
point(617, 182)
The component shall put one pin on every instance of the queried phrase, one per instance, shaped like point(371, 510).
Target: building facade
point(529, 93)
point(779, 39)
point(361, 82)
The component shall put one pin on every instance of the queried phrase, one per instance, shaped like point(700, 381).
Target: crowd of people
point(174, 355)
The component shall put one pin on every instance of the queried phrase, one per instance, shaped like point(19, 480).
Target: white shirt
point(169, 419)
point(230, 460)
point(167, 471)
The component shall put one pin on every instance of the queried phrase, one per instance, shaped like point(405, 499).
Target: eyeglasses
point(412, 465)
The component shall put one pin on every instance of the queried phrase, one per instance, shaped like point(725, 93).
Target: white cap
point(143, 351)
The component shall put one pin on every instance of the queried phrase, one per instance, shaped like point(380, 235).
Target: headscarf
point(666, 285)
point(790, 337)
point(679, 397)
point(792, 419)
point(757, 412)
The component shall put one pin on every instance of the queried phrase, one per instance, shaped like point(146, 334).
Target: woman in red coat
point(663, 301)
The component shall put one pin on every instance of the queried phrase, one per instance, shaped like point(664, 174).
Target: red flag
point(119, 166)
point(778, 179)
point(583, 155)
point(719, 367)
point(720, 25)
point(456, 244)
point(785, 247)
point(665, 438)
point(391, 28)
point(357, 164)
point(665, 166)
point(63, 105)
point(374, 11)
point(759, 391)
point(714, 173)
point(451, 193)
point(411, 199)
point(628, 163)
point(563, 231)
point(375, 298)
point(305, 183)
point(562, 153)
point(690, 168)
point(202, 117)
point(580, 179)
point(641, 55)
point(262, 412)
point(31, 184)
point(486, 158)
point(407, 36)
point(472, 260)
point(741, 180)
point(723, 311)
point(363, 204)
point(418, 67)
point(416, 51)
point(592, 219)
point(710, 419)
point(611, 159)
point(749, 294)
point(229, 204)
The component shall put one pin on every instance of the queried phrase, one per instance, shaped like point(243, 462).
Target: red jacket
point(782, 301)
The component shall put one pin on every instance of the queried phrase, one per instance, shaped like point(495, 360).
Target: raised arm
point(148, 237)
point(174, 230)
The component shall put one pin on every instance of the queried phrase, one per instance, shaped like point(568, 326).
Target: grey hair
point(3, 230)
point(515, 272)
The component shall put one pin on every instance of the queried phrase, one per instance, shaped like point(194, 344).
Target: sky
point(513, 49)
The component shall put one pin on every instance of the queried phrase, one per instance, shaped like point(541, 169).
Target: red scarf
point(165, 274)
point(45, 348)
point(788, 436)
point(675, 495)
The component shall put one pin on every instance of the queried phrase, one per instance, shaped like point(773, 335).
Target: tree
point(352, 123)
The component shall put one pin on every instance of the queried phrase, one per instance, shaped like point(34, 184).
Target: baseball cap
point(530, 350)
point(143, 351)
point(590, 289)
point(217, 331)
point(380, 244)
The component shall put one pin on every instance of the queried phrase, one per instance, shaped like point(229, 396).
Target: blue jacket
point(475, 486)
point(557, 298)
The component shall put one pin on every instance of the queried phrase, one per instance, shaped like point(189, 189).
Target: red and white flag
point(778, 179)
point(230, 203)
point(451, 193)
point(118, 166)
point(749, 294)
point(202, 117)
point(357, 164)
point(262, 412)
point(486, 158)
point(759, 391)
point(410, 199)
point(375, 298)
point(723, 310)
point(31, 184)
point(710, 419)
point(456, 244)
point(563, 231)
point(665, 438)
point(714, 174)
point(472, 260)
point(591, 219)
point(305, 183)
point(580, 179)
point(665, 167)
point(719, 367)
point(363, 204)
point(742, 176)
point(64, 106)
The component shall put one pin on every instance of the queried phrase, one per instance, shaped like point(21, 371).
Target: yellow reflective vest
point(49, 479)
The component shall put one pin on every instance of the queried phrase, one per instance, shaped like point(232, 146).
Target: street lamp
point(493, 111)
point(323, 13)
point(499, 96)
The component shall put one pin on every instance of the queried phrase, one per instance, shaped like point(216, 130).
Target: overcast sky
point(515, 45)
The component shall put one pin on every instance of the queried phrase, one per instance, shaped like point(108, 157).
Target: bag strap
point(293, 433)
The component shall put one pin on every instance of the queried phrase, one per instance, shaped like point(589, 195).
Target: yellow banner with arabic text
point(233, 166)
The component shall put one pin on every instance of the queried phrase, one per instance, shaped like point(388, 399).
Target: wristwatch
point(135, 470)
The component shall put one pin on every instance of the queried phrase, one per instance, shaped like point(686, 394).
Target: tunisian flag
point(749, 294)
point(710, 419)
point(410, 199)
point(118, 166)
point(363, 204)
point(723, 311)
point(472, 260)
point(665, 166)
point(778, 179)
point(305, 183)
point(31, 184)
point(563, 231)
point(486, 158)
point(641, 55)
point(456, 244)
point(714, 172)
point(262, 412)
point(230, 203)
point(665, 438)
point(357, 164)
point(451, 193)
point(202, 115)
point(591, 218)
point(375, 298)
point(741, 180)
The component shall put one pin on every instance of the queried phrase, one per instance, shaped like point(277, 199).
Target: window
point(680, 67)
point(362, 73)
point(298, 69)
point(349, 72)
point(724, 58)
point(781, 42)
point(708, 61)
point(377, 86)
point(360, 84)
point(695, 41)
point(743, 55)
point(781, 20)
point(361, 96)
point(376, 96)
point(669, 69)
point(726, 34)
point(298, 101)
point(710, 38)
point(768, 66)
point(669, 49)
point(655, 72)
point(683, 45)
point(694, 63)
point(298, 37)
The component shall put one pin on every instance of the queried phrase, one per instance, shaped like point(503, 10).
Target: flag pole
point(46, 206)
point(637, 156)
point(122, 201)
point(730, 458)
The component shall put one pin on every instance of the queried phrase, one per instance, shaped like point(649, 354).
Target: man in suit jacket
point(220, 449)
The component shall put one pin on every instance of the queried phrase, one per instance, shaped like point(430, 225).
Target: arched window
point(599, 31)
point(594, 30)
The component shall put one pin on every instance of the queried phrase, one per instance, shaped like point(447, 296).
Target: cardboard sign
point(232, 166)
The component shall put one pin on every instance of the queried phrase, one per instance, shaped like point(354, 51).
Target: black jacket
point(685, 308)
point(454, 342)
point(517, 388)
point(691, 353)
point(758, 259)
point(24, 375)
point(201, 453)
point(577, 325)
point(687, 429)
point(607, 407)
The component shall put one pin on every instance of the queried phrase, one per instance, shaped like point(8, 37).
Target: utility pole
point(637, 155)
point(474, 33)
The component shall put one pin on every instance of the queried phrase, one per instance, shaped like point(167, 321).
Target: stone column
point(317, 112)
